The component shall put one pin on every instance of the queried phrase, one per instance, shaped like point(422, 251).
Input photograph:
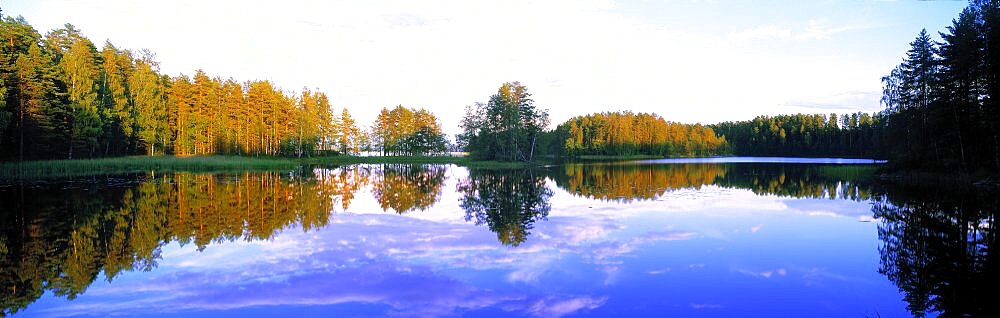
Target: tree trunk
point(531, 155)
point(958, 128)
point(20, 128)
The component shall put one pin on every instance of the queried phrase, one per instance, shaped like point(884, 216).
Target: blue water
point(706, 249)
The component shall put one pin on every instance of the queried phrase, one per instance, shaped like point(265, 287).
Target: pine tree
point(43, 115)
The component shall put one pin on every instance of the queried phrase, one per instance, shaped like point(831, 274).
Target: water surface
point(651, 238)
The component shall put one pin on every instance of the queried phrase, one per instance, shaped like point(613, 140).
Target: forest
point(818, 135)
point(940, 112)
point(628, 134)
point(62, 98)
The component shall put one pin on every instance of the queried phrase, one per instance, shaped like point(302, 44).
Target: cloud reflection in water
point(689, 245)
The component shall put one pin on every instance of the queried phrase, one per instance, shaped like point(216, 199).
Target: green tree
point(78, 61)
point(506, 128)
point(148, 92)
point(117, 101)
point(940, 106)
point(43, 116)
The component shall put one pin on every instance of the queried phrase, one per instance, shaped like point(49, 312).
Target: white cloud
point(558, 308)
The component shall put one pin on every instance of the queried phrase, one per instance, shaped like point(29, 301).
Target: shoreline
point(66, 168)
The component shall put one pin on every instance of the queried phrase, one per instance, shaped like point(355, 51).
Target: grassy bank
point(140, 164)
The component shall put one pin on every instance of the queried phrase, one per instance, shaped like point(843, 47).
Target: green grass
point(47, 169)
point(138, 164)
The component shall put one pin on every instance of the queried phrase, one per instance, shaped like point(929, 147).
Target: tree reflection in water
point(407, 187)
point(938, 248)
point(508, 202)
point(60, 237)
point(626, 182)
point(936, 244)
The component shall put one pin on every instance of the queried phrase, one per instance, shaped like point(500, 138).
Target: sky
point(691, 61)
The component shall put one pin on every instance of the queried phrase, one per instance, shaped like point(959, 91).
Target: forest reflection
point(399, 187)
point(60, 237)
point(404, 188)
point(938, 247)
point(626, 182)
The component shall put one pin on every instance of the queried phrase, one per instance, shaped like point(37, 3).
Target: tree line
point(818, 135)
point(940, 107)
point(627, 133)
point(511, 128)
point(61, 97)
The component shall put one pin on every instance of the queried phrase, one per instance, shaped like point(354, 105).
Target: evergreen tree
point(506, 128)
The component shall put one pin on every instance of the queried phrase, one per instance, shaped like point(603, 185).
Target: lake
point(707, 238)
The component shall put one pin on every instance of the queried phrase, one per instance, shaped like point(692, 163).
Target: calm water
point(708, 239)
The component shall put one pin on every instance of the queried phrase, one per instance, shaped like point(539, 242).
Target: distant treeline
point(627, 134)
point(61, 97)
point(819, 135)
